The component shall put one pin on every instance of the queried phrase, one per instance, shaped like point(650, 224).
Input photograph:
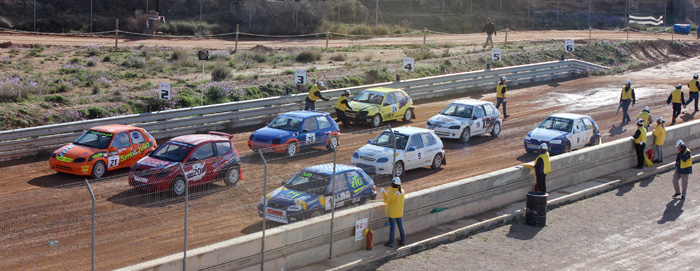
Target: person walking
point(542, 168)
point(659, 137)
point(684, 167)
point(626, 98)
point(394, 199)
point(694, 86)
point(645, 115)
point(640, 141)
point(678, 100)
point(489, 29)
point(340, 106)
point(501, 96)
point(314, 95)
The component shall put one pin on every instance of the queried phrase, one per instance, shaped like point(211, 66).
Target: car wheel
point(98, 170)
point(332, 143)
point(407, 115)
point(496, 130)
point(567, 147)
point(363, 200)
point(597, 141)
point(315, 213)
point(232, 176)
point(437, 161)
point(178, 186)
point(291, 149)
point(399, 169)
point(466, 134)
point(376, 121)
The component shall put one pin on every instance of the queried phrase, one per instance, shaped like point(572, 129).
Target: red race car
point(205, 158)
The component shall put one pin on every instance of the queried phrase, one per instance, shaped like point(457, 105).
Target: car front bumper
point(83, 169)
point(445, 132)
point(372, 167)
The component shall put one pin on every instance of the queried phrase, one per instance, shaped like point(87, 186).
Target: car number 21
point(113, 160)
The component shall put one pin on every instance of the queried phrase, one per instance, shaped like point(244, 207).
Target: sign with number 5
point(496, 54)
point(409, 64)
point(300, 77)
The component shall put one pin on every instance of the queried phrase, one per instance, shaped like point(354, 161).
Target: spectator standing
point(394, 199)
point(659, 137)
point(684, 167)
point(490, 30)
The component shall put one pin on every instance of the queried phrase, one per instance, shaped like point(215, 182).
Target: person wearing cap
point(626, 98)
point(542, 168)
point(394, 199)
point(694, 86)
point(640, 141)
point(678, 100)
point(340, 106)
point(501, 95)
point(659, 137)
point(314, 95)
point(684, 167)
point(645, 115)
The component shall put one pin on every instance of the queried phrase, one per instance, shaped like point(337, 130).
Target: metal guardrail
point(166, 124)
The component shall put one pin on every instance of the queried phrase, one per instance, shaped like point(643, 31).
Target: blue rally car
point(292, 131)
point(309, 193)
point(563, 132)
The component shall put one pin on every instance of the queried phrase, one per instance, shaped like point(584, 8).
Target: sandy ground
point(635, 227)
point(40, 205)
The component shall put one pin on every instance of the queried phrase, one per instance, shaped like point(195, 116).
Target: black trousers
point(639, 149)
point(342, 117)
point(676, 111)
point(541, 186)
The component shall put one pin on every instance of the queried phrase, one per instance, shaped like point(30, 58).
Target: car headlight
point(455, 127)
point(355, 155)
point(277, 141)
point(383, 160)
point(262, 201)
point(527, 138)
point(362, 113)
point(294, 208)
point(429, 123)
point(252, 136)
point(557, 141)
point(53, 155)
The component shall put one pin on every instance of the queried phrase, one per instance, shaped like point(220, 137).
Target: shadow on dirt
point(674, 209)
point(617, 130)
point(257, 226)
point(521, 231)
point(65, 181)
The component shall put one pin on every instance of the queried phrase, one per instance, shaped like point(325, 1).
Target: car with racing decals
point(377, 105)
point(415, 148)
point(309, 193)
point(292, 131)
point(463, 119)
point(101, 149)
point(563, 132)
point(205, 158)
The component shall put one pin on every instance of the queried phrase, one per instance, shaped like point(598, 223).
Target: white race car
point(415, 148)
point(466, 118)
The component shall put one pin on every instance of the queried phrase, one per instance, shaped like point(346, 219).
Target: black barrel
point(536, 213)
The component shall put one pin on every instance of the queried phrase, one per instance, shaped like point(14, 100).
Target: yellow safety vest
point(644, 116)
point(693, 87)
point(545, 159)
point(394, 198)
point(659, 134)
point(626, 95)
point(676, 96)
point(642, 136)
point(687, 163)
point(312, 93)
point(339, 104)
point(499, 90)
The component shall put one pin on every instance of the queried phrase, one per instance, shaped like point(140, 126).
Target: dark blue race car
point(290, 132)
point(310, 194)
point(563, 132)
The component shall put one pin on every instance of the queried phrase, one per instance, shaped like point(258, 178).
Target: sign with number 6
point(569, 45)
point(409, 64)
point(164, 92)
point(300, 77)
point(496, 54)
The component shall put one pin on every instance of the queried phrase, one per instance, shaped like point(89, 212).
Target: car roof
point(471, 102)
point(410, 130)
point(328, 168)
point(196, 139)
point(114, 128)
point(568, 115)
point(304, 114)
point(382, 89)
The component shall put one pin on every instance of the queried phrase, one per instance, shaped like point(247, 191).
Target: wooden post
point(328, 34)
point(507, 30)
point(425, 34)
point(628, 34)
point(116, 36)
point(590, 33)
point(235, 49)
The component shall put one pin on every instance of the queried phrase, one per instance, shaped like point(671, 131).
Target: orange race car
point(101, 149)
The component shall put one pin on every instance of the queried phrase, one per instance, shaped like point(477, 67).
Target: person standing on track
point(394, 199)
point(542, 168)
point(684, 167)
point(640, 141)
point(626, 98)
point(490, 29)
point(501, 96)
point(678, 100)
point(314, 95)
point(659, 137)
point(646, 117)
point(694, 86)
point(340, 106)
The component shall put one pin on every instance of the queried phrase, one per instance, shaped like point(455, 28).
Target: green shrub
point(95, 112)
point(420, 53)
point(107, 58)
point(133, 62)
point(220, 73)
point(56, 99)
point(61, 88)
point(381, 30)
point(338, 57)
point(308, 56)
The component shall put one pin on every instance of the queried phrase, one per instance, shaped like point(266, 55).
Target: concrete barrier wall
point(307, 242)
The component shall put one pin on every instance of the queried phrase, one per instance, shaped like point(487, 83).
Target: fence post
point(328, 34)
point(628, 34)
point(425, 34)
point(264, 222)
point(393, 162)
point(116, 36)
point(590, 33)
point(235, 49)
point(335, 160)
point(87, 184)
point(187, 196)
point(507, 30)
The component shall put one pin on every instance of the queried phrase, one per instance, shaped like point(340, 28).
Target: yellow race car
point(376, 105)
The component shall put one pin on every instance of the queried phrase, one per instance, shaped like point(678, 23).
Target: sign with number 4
point(496, 54)
point(300, 77)
point(409, 64)
point(164, 92)
point(569, 45)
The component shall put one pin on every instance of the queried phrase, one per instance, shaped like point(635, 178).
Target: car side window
point(479, 112)
point(204, 151)
point(121, 140)
point(323, 122)
point(579, 125)
point(341, 184)
point(588, 123)
point(390, 98)
point(222, 148)
point(489, 110)
point(415, 142)
point(137, 137)
point(310, 124)
point(403, 100)
point(428, 140)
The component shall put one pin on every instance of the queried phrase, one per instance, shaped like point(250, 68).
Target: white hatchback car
point(415, 148)
point(463, 119)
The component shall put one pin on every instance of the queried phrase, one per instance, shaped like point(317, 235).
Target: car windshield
point(172, 151)
point(384, 140)
point(458, 110)
point(560, 124)
point(95, 139)
point(307, 181)
point(285, 123)
point(370, 97)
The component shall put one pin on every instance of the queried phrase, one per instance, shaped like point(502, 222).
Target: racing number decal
point(113, 160)
point(339, 200)
point(418, 155)
point(310, 137)
point(394, 108)
point(197, 172)
point(578, 140)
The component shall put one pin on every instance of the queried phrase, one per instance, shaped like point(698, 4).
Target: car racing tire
point(596, 141)
point(437, 161)
point(567, 147)
point(466, 134)
point(291, 149)
point(376, 121)
point(315, 213)
point(178, 186)
point(99, 170)
point(232, 176)
point(332, 143)
point(496, 130)
point(362, 201)
point(407, 115)
point(400, 169)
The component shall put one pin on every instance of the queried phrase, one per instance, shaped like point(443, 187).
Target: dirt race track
point(39, 205)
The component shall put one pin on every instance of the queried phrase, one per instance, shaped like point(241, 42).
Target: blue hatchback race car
point(310, 193)
point(563, 132)
point(292, 131)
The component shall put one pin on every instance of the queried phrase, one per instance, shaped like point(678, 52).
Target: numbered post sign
point(164, 92)
point(496, 54)
point(360, 226)
point(569, 46)
point(300, 77)
point(409, 64)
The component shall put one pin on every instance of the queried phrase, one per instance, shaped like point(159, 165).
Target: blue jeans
point(500, 101)
point(488, 39)
point(392, 231)
point(693, 96)
point(625, 108)
point(310, 105)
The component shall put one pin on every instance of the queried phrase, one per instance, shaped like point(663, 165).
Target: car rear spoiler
point(229, 136)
